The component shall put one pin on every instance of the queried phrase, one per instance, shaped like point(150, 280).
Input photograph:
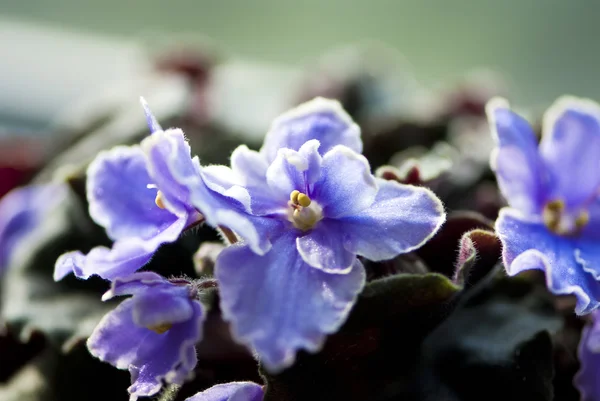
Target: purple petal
point(237, 391)
point(519, 169)
point(21, 210)
point(347, 186)
point(167, 305)
point(116, 338)
point(153, 124)
point(249, 165)
point(321, 119)
point(125, 257)
point(169, 357)
point(171, 168)
point(530, 245)
point(570, 147)
point(278, 304)
point(402, 218)
point(119, 197)
point(136, 283)
point(323, 248)
point(586, 379)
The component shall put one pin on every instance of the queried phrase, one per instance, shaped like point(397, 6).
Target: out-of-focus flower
point(587, 379)
point(313, 198)
point(20, 212)
point(553, 222)
point(152, 334)
point(237, 391)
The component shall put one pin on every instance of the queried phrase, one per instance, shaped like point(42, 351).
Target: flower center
point(304, 213)
point(161, 328)
point(562, 223)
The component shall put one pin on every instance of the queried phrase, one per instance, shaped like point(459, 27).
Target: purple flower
point(314, 201)
point(153, 333)
point(236, 391)
point(587, 379)
point(553, 221)
point(21, 210)
point(138, 202)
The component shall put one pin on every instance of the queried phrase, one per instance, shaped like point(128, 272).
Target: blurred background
point(64, 60)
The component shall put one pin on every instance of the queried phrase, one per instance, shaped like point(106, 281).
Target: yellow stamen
point(552, 214)
point(582, 220)
point(303, 200)
point(294, 196)
point(159, 200)
point(161, 328)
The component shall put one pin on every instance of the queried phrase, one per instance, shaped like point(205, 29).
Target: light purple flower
point(20, 212)
point(236, 391)
point(587, 379)
point(138, 202)
point(314, 201)
point(152, 334)
point(553, 222)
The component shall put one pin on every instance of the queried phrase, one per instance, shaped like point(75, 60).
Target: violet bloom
point(587, 379)
point(20, 212)
point(553, 222)
point(316, 203)
point(236, 391)
point(153, 334)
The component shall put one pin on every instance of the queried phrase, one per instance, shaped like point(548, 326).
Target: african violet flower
point(317, 206)
point(236, 391)
point(137, 194)
point(21, 210)
point(153, 333)
point(553, 222)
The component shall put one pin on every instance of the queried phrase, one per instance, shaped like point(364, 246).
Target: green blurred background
point(544, 48)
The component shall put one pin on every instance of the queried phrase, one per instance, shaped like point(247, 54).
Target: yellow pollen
point(159, 200)
point(303, 200)
point(294, 196)
point(582, 219)
point(161, 328)
point(561, 222)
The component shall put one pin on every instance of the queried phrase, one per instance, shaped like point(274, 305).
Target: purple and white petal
point(529, 245)
point(321, 119)
point(171, 168)
point(249, 165)
point(323, 248)
point(153, 124)
point(236, 391)
point(346, 186)
point(161, 306)
point(570, 147)
point(116, 338)
point(119, 197)
point(587, 379)
point(169, 357)
point(520, 171)
point(278, 304)
point(402, 218)
point(135, 284)
point(125, 257)
point(20, 212)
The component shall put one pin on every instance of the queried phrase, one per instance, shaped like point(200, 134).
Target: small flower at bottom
point(153, 334)
point(553, 219)
point(236, 391)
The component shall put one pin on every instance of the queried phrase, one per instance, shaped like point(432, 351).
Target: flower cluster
point(552, 223)
point(297, 215)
